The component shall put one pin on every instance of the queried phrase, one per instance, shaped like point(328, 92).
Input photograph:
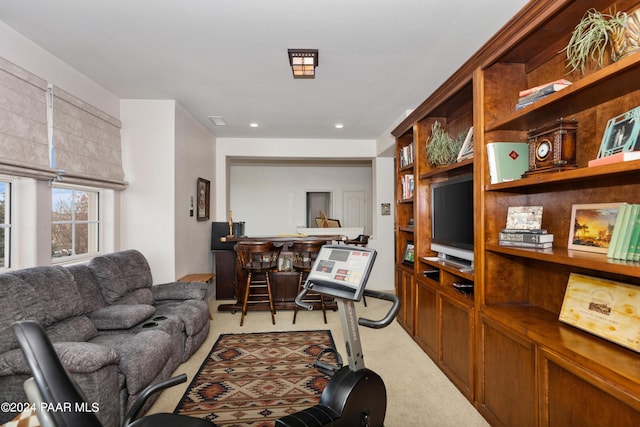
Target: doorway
point(317, 201)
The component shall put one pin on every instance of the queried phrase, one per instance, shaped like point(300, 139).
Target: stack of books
point(407, 182)
point(625, 239)
point(406, 155)
point(534, 239)
point(531, 95)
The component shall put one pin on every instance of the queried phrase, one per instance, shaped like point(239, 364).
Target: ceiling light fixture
point(303, 63)
point(338, 125)
point(217, 120)
point(254, 125)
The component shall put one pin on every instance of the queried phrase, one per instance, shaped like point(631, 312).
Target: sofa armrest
point(76, 357)
point(123, 316)
point(180, 291)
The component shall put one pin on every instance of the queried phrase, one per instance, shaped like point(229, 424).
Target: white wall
point(382, 277)
point(194, 151)
point(147, 205)
point(271, 197)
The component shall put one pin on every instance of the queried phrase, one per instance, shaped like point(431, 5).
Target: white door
point(354, 209)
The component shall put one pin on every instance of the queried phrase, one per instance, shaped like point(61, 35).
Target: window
point(5, 224)
point(75, 222)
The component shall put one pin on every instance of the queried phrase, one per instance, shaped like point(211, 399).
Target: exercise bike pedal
point(326, 367)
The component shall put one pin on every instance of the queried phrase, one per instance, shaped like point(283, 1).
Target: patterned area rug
point(254, 379)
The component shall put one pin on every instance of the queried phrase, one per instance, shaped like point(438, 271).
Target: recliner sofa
point(115, 332)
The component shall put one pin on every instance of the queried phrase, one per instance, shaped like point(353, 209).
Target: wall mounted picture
point(592, 226)
point(203, 193)
point(409, 254)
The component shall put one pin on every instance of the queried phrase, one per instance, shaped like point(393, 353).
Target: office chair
point(55, 387)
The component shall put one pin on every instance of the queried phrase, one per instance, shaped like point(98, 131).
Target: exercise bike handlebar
point(375, 324)
point(388, 318)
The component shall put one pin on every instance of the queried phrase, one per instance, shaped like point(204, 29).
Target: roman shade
point(85, 142)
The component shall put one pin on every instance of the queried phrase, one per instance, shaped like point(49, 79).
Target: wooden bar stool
point(304, 254)
point(257, 259)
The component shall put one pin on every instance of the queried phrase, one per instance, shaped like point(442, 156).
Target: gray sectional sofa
point(115, 331)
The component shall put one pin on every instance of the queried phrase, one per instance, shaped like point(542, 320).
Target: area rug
point(254, 379)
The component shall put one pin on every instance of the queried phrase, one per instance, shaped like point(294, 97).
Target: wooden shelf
point(599, 355)
point(597, 88)
point(572, 258)
point(446, 170)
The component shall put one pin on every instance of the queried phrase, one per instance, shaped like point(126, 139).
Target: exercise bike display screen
point(341, 271)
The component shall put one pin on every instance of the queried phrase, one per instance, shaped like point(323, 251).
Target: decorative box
point(552, 147)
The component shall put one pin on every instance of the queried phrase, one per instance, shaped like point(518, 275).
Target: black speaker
point(221, 229)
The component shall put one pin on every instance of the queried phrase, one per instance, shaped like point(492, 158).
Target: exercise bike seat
point(315, 416)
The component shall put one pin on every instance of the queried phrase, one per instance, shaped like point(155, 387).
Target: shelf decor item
point(466, 152)
point(601, 35)
point(442, 149)
point(592, 226)
point(409, 253)
point(552, 147)
point(605, 308)
point(524, 218)
point(621, 134)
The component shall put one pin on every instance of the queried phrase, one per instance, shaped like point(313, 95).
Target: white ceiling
point(377, 59)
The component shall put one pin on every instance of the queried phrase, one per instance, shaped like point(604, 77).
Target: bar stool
point(257, 259)
point(304, 254)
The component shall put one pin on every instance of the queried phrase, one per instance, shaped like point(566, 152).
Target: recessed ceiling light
point(338, 125)
point(217, 120)
point(254, 125)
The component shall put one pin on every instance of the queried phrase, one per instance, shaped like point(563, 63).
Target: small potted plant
point(601, 35)
point(442, 149)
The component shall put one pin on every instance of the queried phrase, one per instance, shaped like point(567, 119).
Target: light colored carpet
point(418, 393)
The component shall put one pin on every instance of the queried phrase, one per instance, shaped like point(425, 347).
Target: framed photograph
point(524, 217)
point(408, 256)
point(621, 134)
point(592, 226)
point(466, 152)
point(203, 194)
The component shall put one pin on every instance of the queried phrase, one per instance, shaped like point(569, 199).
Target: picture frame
point(524, 218)
point(466, 151)
point(409, 253)
point(203, 194)
point(328, 223)
point(621, 134)
point(592, 226)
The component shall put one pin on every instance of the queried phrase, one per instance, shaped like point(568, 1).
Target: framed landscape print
point(592, 226)
point(203, 194)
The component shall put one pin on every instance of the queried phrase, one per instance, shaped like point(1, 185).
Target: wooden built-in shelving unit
point(504, 347)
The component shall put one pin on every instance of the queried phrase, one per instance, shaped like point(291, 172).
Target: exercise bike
point(354, 396)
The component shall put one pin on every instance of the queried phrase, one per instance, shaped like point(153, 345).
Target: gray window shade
point(24, 148)
point(86, 142)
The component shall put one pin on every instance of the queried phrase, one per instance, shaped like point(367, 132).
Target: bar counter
point(284, 284)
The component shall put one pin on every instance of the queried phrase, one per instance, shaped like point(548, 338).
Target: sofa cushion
point(139, 296)
point(120, 273)
point(88, 287)
point(142, 356)
point(18, 301)
point(77, 328)
point(51, 283)
point(121, 316)
point(193, 313)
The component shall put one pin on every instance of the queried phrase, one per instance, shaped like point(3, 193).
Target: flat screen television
point(452, 217)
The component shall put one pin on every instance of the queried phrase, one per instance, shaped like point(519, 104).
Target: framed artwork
point(203, 193)
point(466, 152)
point(621, 134)
point(592, 226)
point(408, 256)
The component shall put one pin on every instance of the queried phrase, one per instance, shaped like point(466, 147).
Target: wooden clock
point(552, 147)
